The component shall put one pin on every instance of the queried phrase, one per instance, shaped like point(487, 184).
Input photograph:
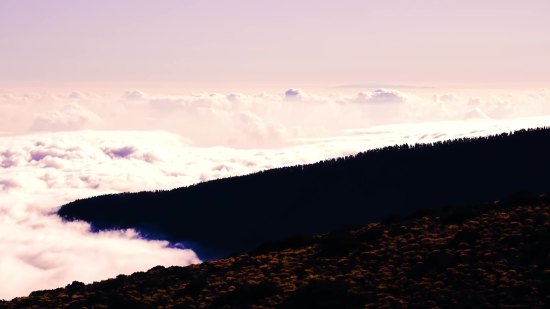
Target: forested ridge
point(236, 214)
point(482, 255)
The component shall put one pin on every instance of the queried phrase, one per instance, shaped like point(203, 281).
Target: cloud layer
point(68, 117)
point(77, 145)
point(257, 120)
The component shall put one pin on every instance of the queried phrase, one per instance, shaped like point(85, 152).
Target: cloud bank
point(261, 120)
point(70, 116)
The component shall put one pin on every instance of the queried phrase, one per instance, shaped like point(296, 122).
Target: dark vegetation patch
point(338, 243)
point(481, 255)
point(238, 214)
point(295, 242)
point(247, 294)
point(322, 294)
point(450, 214)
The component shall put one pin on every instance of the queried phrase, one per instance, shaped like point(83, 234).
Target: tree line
point(238, 213)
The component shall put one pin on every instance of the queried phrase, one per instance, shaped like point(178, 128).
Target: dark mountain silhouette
point(483, 255)
point(236, 214)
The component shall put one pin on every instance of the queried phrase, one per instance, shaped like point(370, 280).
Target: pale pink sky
point(243, 43)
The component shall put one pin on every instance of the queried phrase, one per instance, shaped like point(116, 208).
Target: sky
point(249, 43)
point(102, 97)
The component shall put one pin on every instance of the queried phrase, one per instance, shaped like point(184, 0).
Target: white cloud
point(495, 107)
point(388, 96)
point(134, 95)
point(7, 98)
point(68, 117)
point(262, 131)
point(475, 102)
point(446, 101)
point(237, 98)
point(475, 113)
point(295, 94)
point(450, 97)
point(78, 95)
point(213, 119)
point(362, 97)
point(191, 103)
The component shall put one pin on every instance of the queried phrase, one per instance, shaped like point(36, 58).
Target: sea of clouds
point(57, 147)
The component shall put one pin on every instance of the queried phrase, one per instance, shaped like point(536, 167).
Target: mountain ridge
point(236, 214)
point(482, 255)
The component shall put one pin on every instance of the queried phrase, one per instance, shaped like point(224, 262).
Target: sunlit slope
point(238, 213)
point(484, 255)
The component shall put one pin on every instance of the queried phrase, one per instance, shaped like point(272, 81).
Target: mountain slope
point(238, 213)
point(491, 255)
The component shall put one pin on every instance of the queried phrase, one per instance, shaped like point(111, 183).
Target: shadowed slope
point(238, 213)
point(490, 255)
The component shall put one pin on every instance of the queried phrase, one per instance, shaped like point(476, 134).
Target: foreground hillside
point(236, 214)
point(491, 255)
